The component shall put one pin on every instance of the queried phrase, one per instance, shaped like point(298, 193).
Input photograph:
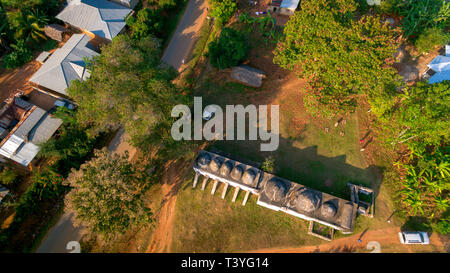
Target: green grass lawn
point(208, 223)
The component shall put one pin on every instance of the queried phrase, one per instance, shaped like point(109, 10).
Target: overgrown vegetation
point(229, 49)
point(22, 28)
point(222, 10)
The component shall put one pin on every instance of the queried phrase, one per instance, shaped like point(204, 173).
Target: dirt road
point(184, 37)
point(387, 238)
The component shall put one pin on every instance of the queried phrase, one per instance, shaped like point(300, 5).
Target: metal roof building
point(65, 65)
point(35, 126)
point(99, 17)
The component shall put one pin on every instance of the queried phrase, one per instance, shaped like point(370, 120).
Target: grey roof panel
point(29, 123)
point(57, 73)
point(101, 17)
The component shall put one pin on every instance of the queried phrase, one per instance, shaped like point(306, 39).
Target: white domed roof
point(203, 160)
point(328, 210)
point(215, 164)
point(275, 189)
point(236, 173)
point(248, 177)
point(226, 168)
point(307, 200)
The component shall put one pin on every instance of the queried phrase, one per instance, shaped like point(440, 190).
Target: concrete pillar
point(195, 179)
point(204, 182)
point(236, 191)
point(224, 190)
point(214, 186)
point(247, 194)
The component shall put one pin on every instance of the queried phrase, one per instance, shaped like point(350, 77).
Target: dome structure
point(275, 189)
point(236, 173)
point(203, 160)
point(307, 200)
point(215, 164)
point(248, 177)
point(328, 210)
point(226, 168)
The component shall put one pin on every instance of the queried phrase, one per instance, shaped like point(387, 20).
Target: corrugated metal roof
point(101, 17)
point(22, 145)
point(290, 4)
point(58, 71)
point(439, 77)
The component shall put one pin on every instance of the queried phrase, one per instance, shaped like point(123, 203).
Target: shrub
point(268, 165)
point(222, 10)
point(47, 184)
point(8, 177)
point(167, 4)
point(147, 22)
point(229, 49)
point(430, 38)
point(19, 56)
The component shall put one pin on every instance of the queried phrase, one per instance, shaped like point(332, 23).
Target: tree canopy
point(128, 87)
point(107, 194)
point(339, 55)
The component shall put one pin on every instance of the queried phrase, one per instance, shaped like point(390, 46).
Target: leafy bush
point(222, 10)
point(268, 165)
point(47, 184)
point(20, 55)
point(8, 177)
point(167, 4)
point(229, 49)
point(147, 22)
point(422, 15)
point(431, 38)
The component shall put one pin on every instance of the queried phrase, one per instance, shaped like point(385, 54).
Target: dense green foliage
point(71, 146)
point(20, 55)
point(421, 123)
point(23, 21)
point(422, 115)
point(8, 177)
point(128, 88)
point(431, 38)
point(418, 16)
point(47, 185)
point(147, 22)
point(340, 57)
point(107, 194)
point(222, 10)
point(229, 49)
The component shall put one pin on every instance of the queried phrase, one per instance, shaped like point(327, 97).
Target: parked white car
point(414, 237)
point(209, 112)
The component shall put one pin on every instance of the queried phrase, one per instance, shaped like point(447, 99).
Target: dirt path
point(13, 81)
point(186, 33)
point(162, 236)
point(387, 238)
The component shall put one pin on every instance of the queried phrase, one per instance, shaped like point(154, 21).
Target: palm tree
point(28, 25)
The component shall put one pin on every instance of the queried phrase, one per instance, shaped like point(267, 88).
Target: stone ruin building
point(274, 192)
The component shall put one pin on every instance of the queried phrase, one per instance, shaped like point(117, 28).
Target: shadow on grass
point(307, 167)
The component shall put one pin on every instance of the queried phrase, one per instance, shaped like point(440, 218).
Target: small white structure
point(285, 7)
point(440, 65)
